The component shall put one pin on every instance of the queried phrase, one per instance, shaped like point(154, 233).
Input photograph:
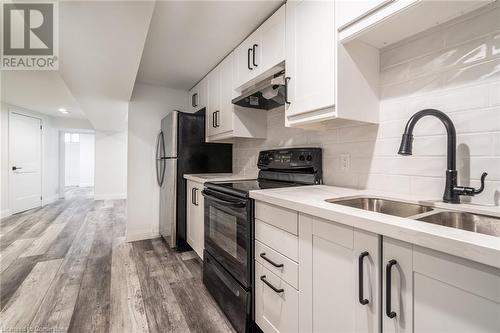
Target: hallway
point(67, 267)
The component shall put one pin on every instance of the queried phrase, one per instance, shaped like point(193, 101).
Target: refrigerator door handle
point(160, 157)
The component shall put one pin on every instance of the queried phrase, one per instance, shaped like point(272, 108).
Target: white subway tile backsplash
point(454, 68)
point(480, 25)
point(458, 56)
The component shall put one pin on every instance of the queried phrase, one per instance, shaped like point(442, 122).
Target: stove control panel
point(288, 159)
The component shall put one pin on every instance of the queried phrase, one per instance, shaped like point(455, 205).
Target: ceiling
point(188, 38)
point(42, 91)
point(105, 46)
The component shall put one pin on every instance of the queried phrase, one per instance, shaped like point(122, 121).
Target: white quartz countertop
point(215, 177)
point(466, 244)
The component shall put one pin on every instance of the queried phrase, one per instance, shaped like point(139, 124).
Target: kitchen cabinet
point(276, 269)
point(198, 96)
point(310, 61)
point(195, 217)
point(352, 11)
point(381, 23)
point(334, 262)
point(224, 120)
point(431, 291)
point(260, 54)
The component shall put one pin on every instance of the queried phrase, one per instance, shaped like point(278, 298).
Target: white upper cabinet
point(381, 23)
point(223, 119)
point(354, 10)
point(198, 96)
point(310, 60)
point(261, 53)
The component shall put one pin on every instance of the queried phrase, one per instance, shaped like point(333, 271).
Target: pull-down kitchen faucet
point(452, 191)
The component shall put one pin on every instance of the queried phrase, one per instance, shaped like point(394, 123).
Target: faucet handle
point(481, 188)
point(470, 191)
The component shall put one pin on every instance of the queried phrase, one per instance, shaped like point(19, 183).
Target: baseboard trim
point(110, 196)
point(5, 213)
point(137, 236)
point(50, 200)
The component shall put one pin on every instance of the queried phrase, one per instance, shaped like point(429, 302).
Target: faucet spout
point(452, 191)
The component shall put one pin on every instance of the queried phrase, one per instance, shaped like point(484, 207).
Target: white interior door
point(25, 159)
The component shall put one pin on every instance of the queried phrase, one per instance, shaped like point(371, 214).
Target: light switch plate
point(345, 162)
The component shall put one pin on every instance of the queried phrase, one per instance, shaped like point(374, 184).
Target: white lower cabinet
point(336, 278)
point(333, 260)
point(195, 217)
point(435, 292)
point(276, 302)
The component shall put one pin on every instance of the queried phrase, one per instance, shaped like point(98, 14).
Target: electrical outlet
point(345, 162)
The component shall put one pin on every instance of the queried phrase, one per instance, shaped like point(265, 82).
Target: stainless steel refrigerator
point(181, 149)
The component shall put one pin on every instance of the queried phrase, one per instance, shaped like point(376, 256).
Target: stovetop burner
point(242, 188)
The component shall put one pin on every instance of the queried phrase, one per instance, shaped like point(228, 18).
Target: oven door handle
point(211, 195)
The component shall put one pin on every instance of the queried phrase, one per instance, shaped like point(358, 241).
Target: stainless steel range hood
point(265, 95)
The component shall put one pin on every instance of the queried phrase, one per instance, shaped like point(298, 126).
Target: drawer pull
point(276, 290)
point(263, 256)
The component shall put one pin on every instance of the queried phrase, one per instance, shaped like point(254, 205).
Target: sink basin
point(384, 206)
point(466, 221)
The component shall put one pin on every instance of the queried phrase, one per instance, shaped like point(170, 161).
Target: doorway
point(25, 162)
point(79, 161)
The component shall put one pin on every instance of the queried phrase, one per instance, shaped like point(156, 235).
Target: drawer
point(275, 311)
point(279, 240)
point(289, 271)
point(282, 218)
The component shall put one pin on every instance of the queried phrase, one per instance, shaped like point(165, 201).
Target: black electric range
point(229, 227)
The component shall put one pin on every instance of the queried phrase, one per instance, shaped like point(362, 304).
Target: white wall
point(149, 104)
point(110, 181)
point(79, 161)
point(454, 68)
point(50, 155)
point(71, 164)
point(87, 160)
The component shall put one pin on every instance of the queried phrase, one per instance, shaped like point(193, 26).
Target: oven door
point(228, 233)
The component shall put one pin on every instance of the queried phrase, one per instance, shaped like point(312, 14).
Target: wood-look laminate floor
point(66, 267)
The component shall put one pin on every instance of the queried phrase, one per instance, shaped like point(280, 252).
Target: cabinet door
point(213, 109)
point(245, 70)
point(191, 216)
point(270, 47)
point(200, 220)
point(310, 56)
point(329, 298)
point(451, 294)
point(225, 117)
point(397, 264)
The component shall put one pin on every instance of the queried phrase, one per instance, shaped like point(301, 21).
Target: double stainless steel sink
point(482, 224)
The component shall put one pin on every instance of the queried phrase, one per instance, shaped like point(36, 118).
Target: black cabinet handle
point(254, 47)
point(14, 168)
point(286, 89)
point(216, 118)
point(194, 194)
point(263, 256)
point(195, 98)
point(361, 298)
point(213, 119)
point(279, 291)
point(192, 100)
point(388, 311)
point(248, 59)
